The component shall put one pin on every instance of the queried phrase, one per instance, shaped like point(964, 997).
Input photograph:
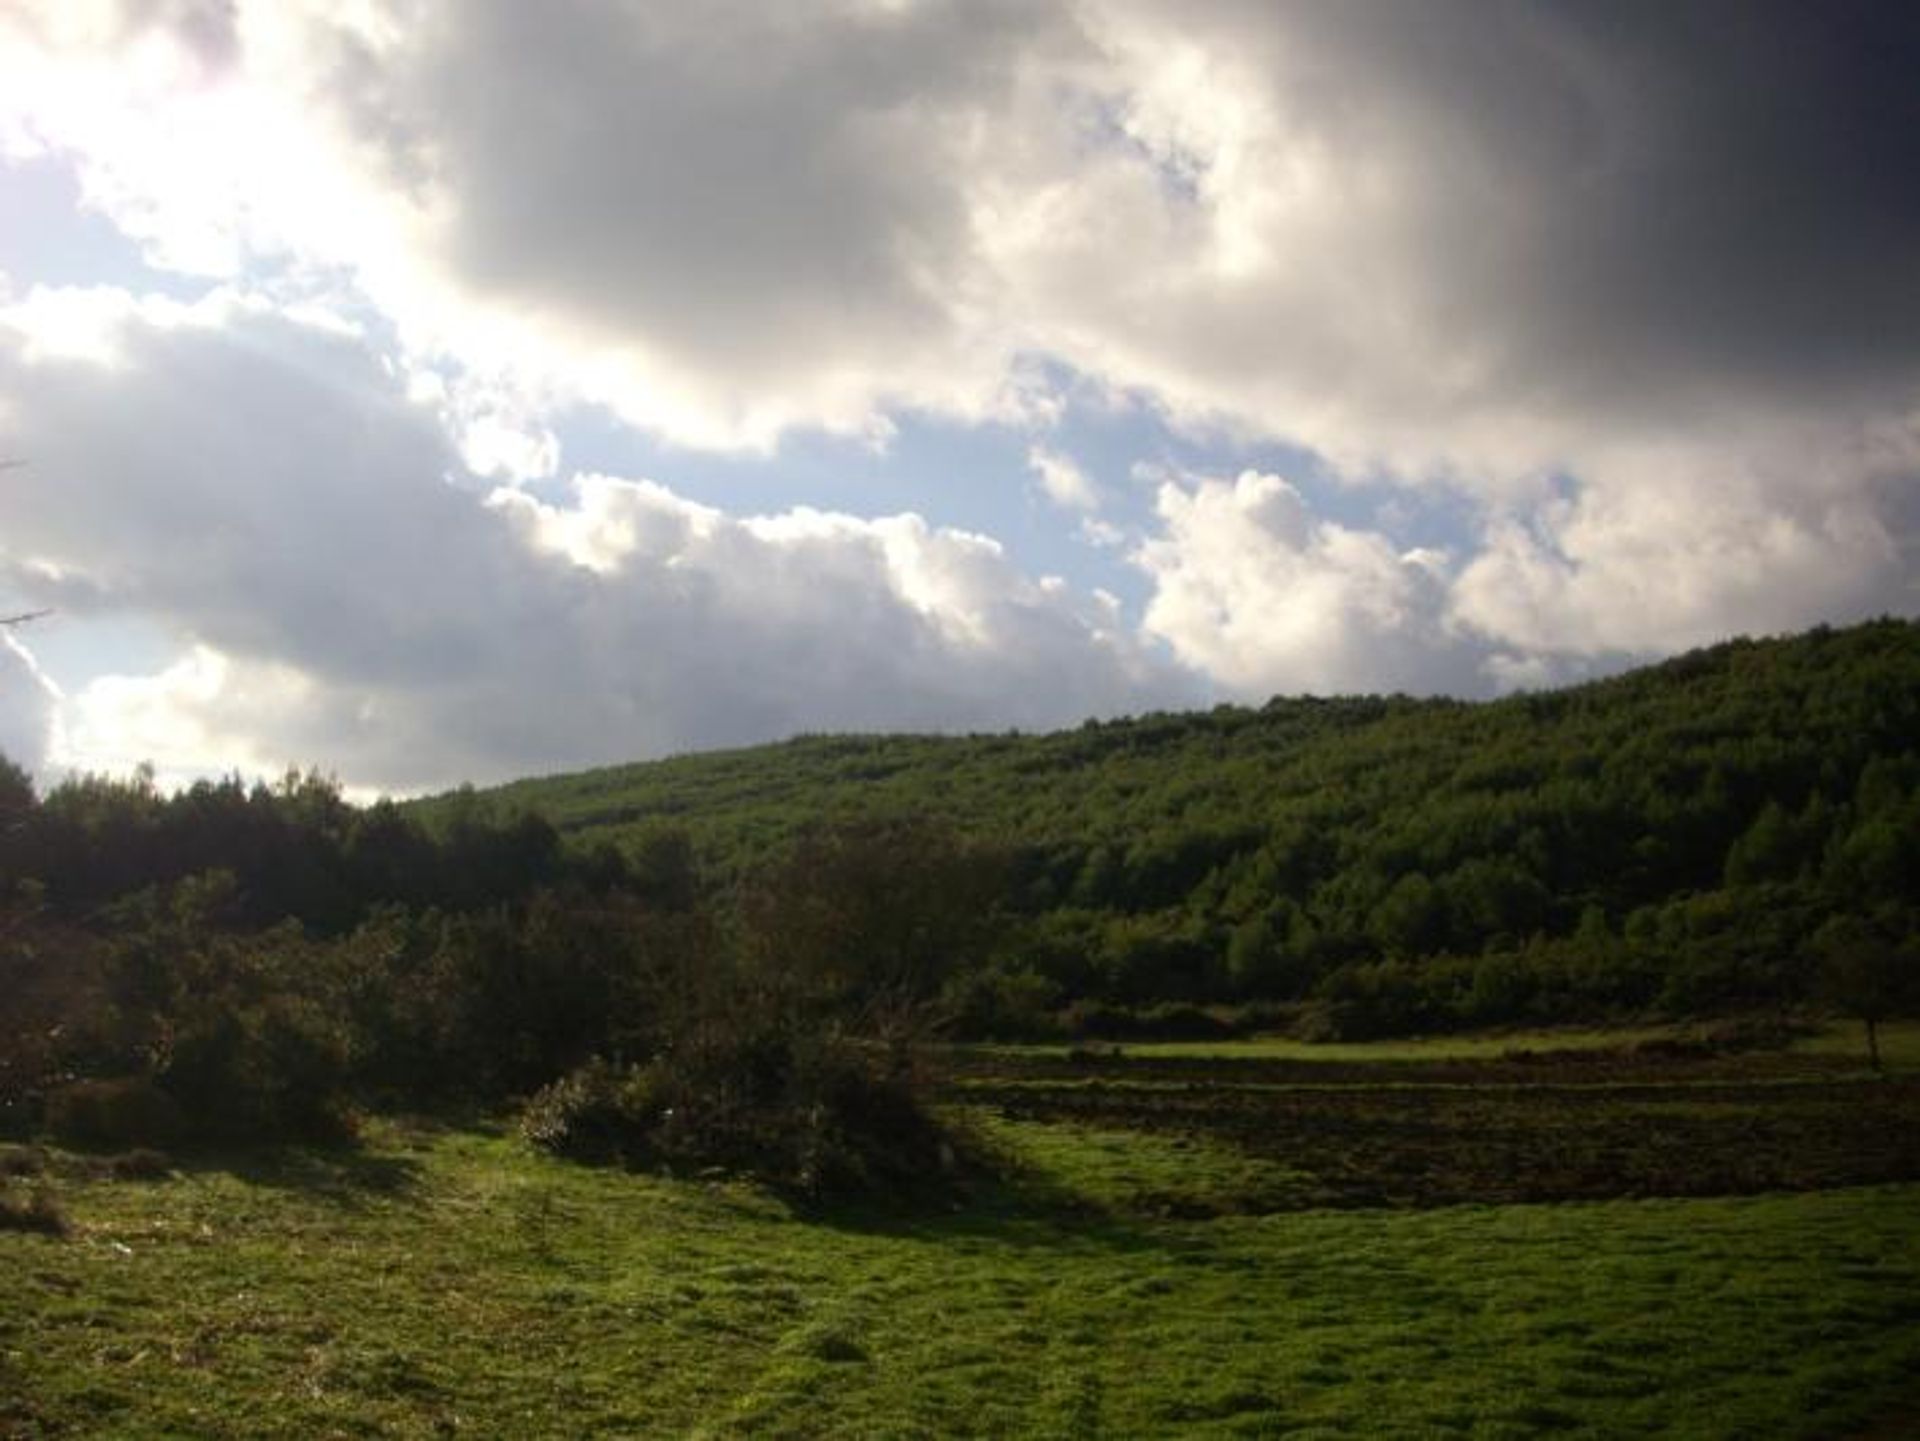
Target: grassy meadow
point(1179, 1267)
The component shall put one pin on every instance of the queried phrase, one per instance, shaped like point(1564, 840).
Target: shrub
point(1096, 1020)
point(275, 1070)
point(821, 1117)
point(117, 1113)
point(599, 1112)
point(1179, 1021)
point(37, 1211)
point(56, 1018)
point(1366, 1001)
point(993, 1004)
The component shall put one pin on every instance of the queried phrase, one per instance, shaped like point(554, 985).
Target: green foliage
point(1870, 969)
point(1678, 839)
point(867, 922)
point(1713, 811)
point(275, 1068)
point(1170, 1020)
point(596, 1112)
point(816, 1116)
point(1000, 1003)
point(57, 1017)
point(788, 1057)
point(115, 1113)
point(293, 850)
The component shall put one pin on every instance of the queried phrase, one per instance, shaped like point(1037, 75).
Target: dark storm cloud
point(1758, 214)
point(739, 188)
point(1623, 198)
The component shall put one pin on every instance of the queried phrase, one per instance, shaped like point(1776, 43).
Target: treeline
point(264, 954)
point(236, 963)
point(294, 851)
point(1735, 828)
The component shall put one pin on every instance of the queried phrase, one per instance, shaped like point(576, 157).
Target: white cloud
point(28, 699)
point(507, 447)
point(1388, 241)
point(1670, 546)
point(270, 496)
point(201, 714)
point(1065, 483)
point(1253, 589)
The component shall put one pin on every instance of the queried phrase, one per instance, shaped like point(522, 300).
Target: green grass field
point(1899, 1045)
point(1421, 1048)
point(447, 1281)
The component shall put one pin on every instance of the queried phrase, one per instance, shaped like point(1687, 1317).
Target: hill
point(1674, 836)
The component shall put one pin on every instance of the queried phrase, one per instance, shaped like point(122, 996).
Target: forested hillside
point(1675, 837)
point(1737, 828)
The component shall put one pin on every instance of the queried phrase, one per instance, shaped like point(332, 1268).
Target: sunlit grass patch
point(1833, 1039)
point(1142, 1174)
point(1899, 1043)
point(1475, 1046)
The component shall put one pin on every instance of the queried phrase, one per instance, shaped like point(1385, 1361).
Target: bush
point(126, 1111)
point(37, 1211)
point(599, 1112)
point(1178, 1021)
point(276, 1070)
point(993, 1004)
point(820, 1116)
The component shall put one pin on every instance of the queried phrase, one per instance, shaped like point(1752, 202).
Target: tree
point(1867, 973)
point(1411, 918)
point(866, 922)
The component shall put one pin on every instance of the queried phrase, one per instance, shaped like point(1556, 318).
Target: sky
point(430, 391)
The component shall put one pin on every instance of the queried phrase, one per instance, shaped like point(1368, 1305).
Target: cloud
point(201, 713)
point(1064, 482)
point(1634, 285)
point(1654, 322)
point(1479, 238)
point(721, 222)
point(343, 594)
point(1252, 589)
point(27, 702)
point(1460, 237)
point(1640, 561)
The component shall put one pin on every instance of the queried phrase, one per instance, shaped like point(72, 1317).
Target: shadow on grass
point(992, 1197)
point(343, 1174)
